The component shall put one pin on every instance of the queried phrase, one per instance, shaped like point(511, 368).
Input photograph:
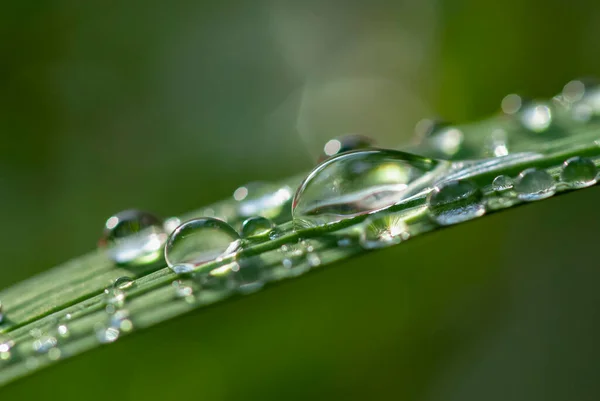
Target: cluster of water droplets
point(356, 197)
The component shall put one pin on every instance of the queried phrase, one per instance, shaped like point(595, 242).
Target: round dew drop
point(454, 202)
point(578, 172)
point(200, 241)
point(256, 226)
point(133, 237)
point(382, 231)
point(534, 184)
point(502, 183)
point(344, 144)
point(536, 117)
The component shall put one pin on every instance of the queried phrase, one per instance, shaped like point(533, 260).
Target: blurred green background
point(167, 106)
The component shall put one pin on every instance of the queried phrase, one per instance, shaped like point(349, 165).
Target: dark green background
point(167, 106)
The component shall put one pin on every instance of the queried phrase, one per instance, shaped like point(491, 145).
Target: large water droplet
point(256, 226)
point(502, 183)
point(345, 143)
point(360, 182)
point(382, 231)
point(262, 199)
point(455, 201)
point(133, 237)
point(536, 117)
point(578, 172)
point(200, 241)
point(533, 184)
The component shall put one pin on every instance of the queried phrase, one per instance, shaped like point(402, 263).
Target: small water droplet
point(533, 184)
point(133, 237)
point(360, 182)
point(123, 283)
point(578, 172)
point(5, 347)
point(455, 201)
point(120, 321)
point(511, 104)
point(54, 354)
point(248, 276)
point(262, 199)
point(44, 344)
point(382, 231)
point(200, 241)
point(345, 143)
point(502, 183)
point(107, 335)
point(313, 259)
point(184, 289)
point(536, 117)
point(114, 298)
point(497, 143)
point(256, 226)
point(63, 330)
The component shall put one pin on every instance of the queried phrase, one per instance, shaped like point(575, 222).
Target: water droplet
point(171, 224)
point(455, 201)
point(63, 330)
point(536, 117)
point(360, 182)
point(123, 283)
point(5, 347)
point(120, 321)
point(578, 172)
point(133, 237)
point(54, 354)
point(313, 259)
point(248, 276)
point(574, 90)
point(200, 241)
point(114, 298)
point(497, 143)
point(262, 199)
point(502, 183)
point(533, 184)
point(44, 344)
point(382, 231)
point(345, 143)
point(107, 334)
point(256, 226)
point(511, 104)
point(184, 289)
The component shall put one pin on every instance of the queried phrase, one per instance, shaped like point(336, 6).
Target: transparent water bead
point(262, 199)
point(382, 231)
point(454, 202)
point(534, 184)
point(44, 344)
point(123, 282)
point(511, 104)
point(256, 226)
point(578, 172)
point(536, 117)
point(345, 143)
point(502, 183)
point(133, 237)
point(200, 241)
point(361, 182)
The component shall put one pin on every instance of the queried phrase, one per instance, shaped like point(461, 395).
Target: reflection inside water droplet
point(256, 226)
point(133, 237)
point(382, 231)
point(455, 201)
point(360, 182)
point(199, 241)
